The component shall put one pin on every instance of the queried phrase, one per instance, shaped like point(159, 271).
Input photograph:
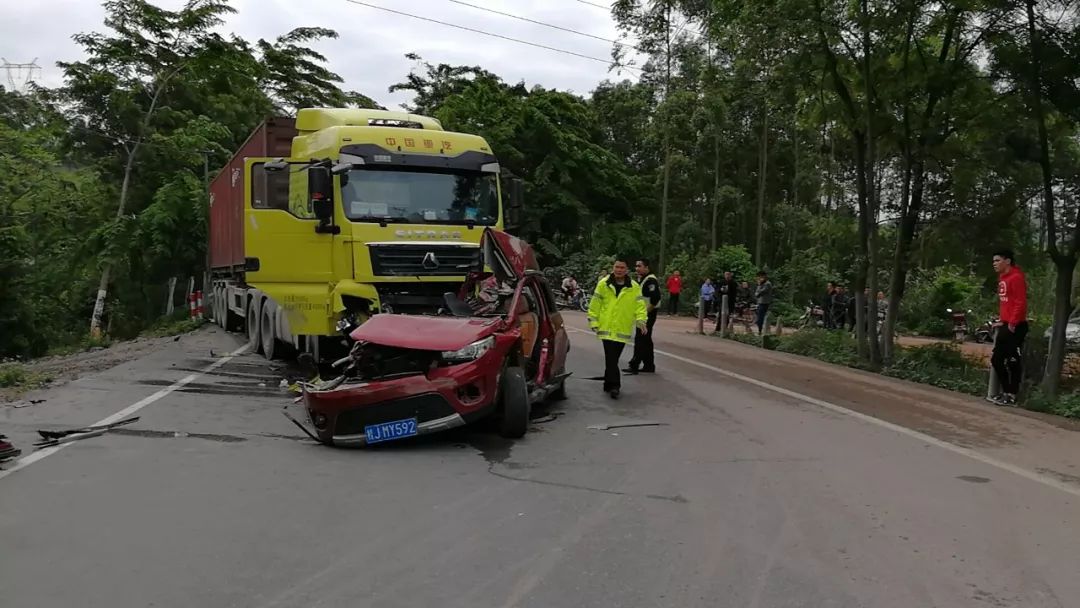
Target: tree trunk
point(667, 148)
point(716, 190)
point(106, 272)
point(763, 169)
point(1055, 357)
point(170, 303)
point(869, 208)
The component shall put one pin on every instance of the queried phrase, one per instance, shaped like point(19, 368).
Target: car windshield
point(421, 196)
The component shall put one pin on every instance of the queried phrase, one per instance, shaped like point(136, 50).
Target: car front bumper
point(443, 399)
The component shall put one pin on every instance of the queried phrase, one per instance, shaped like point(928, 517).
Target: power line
point(606, 8)
point(482, 32)
point(551, 25)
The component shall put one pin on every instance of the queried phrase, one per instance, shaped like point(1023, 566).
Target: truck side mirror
point(513, 208)
point(321, 195)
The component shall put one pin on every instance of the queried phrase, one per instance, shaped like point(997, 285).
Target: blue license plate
point(389, 431)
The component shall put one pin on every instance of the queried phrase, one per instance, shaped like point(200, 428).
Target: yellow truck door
point(280, 241)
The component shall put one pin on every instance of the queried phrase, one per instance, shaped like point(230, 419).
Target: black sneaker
point(630, 371)
point(614, 393)
point(1005, 400)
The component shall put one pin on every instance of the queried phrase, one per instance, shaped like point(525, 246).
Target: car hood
point(423, 332)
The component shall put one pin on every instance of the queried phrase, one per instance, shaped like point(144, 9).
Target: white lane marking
point(832, 407)
point(43, 453)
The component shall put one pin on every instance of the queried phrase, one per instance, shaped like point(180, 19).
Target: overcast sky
point(369, 54)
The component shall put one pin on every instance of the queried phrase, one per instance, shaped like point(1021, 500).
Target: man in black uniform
point(728, 287)
point(643, 344)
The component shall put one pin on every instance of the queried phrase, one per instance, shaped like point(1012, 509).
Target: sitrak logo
point(430, 261)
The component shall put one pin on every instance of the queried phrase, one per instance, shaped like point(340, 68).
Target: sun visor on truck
point(372, 154)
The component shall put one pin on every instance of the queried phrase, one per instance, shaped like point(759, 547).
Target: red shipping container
point(273, 138)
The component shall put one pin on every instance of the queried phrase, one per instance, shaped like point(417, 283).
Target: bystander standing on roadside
point(708, 292)
point(730, 288)
point(764, 296)
point(827, 305)
point(674, 288)
point(1012, 327)
point(839, 307)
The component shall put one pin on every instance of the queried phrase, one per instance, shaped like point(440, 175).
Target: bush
point(941, 365)
point(173, 327)
point(16, 375)
point(1066, 404)
point(836, 347)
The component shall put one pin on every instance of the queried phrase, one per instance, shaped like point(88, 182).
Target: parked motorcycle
point(813, 316)
point(960, 324)
point(579, 301)
point(985, 332)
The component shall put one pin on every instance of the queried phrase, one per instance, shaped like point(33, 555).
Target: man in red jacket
point(1011, 327)
point(674, 288)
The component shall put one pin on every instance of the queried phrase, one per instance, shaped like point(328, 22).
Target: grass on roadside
point(942, 365)
point(16, 375)
point(173, 327)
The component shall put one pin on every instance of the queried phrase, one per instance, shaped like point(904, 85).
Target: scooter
point(960, 324)
point(986, 332)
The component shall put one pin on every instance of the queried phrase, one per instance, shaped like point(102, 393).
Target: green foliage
point(941, 365)
point(830, 346)
point(157, 94)
point(1065, 404)
point(930, 295)
point(15, 375)
point(180, 323)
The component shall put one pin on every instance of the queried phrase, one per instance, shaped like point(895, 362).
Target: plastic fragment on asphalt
point(623, 425)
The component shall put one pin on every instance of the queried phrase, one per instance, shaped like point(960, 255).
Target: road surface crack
point(558, 484)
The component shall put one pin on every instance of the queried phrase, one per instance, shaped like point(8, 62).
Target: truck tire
point(268, 330)
point(253, 325)
point(221, 311)
point(514, 392)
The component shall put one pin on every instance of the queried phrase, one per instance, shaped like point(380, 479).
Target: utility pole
point(20, 75)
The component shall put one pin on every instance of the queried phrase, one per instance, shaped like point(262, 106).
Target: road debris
point(28, 403)
point(549, 418)
point(623, 425)
point(54, 438)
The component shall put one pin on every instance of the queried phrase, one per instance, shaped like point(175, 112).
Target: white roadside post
point(724, 320)
point(993, 388)
point(701, 315)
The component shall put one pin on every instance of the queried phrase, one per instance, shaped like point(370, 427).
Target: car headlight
point(471, 352)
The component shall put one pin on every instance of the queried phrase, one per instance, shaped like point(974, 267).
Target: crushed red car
point(495, 348)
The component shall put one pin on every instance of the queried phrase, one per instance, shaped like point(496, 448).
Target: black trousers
point(673, 304)
point(644, 356)
point(1007, 358)
point(612, 375)
point(720, 317)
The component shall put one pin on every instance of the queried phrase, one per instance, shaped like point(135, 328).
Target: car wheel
point(515, 403)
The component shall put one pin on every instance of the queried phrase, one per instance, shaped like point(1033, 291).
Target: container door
point(281, 244)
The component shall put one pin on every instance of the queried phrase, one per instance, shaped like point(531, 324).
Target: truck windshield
point(421, 196)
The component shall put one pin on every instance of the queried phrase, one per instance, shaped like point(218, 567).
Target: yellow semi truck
point(321, 221)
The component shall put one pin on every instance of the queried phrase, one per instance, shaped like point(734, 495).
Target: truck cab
point(371, 212)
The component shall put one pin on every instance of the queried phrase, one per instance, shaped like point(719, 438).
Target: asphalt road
point(742, 496)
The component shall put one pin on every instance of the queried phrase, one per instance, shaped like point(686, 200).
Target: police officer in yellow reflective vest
point(615, 311)
point(644, 357)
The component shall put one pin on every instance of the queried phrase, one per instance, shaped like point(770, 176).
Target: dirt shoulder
point(1042, 442)
point(66, 368)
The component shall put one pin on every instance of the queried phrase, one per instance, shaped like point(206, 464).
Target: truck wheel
point(221, 311)
point(267, 333)
point(515, 403)
point(253, 326)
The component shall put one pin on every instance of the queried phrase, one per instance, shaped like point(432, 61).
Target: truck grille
point(423, 260)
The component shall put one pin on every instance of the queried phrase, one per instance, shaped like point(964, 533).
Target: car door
point(554, 329)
